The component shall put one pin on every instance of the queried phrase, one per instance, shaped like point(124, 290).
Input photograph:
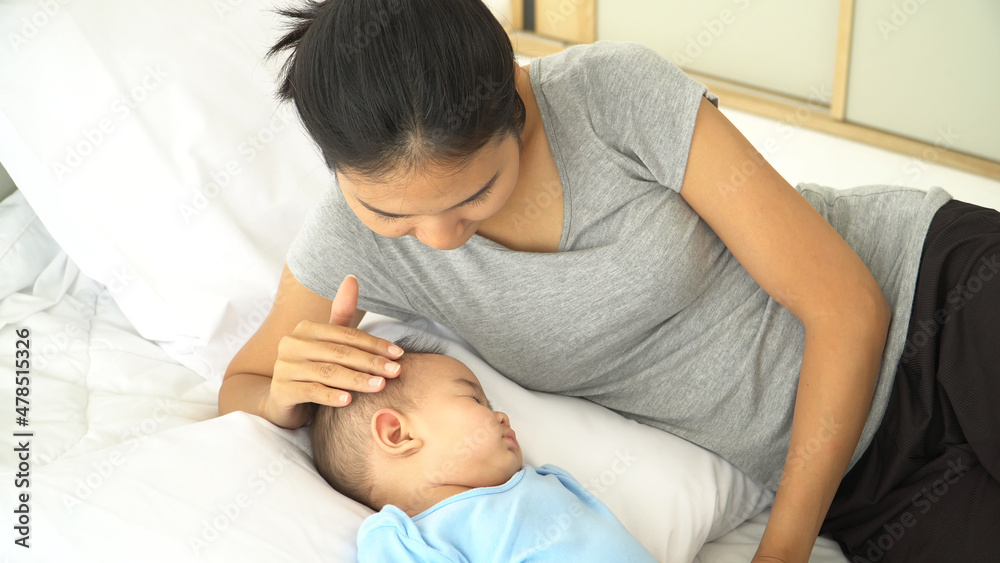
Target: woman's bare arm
point(799, 259)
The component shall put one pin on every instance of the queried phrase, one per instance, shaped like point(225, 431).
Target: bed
point(159, 185)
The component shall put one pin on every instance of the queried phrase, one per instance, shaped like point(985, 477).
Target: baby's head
point(428, 434)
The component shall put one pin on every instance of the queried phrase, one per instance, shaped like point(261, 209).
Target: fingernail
point(374, 382)
point(395, 350)
point(344, 397)
point(391, 368)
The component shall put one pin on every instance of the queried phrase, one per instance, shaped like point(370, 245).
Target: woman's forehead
point(431, 182)
point(415, 188)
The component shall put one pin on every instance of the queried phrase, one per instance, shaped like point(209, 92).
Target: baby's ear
point(392, 433)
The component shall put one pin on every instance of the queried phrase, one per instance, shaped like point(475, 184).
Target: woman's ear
point(393, 433)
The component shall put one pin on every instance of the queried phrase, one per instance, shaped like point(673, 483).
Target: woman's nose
point(439, 232)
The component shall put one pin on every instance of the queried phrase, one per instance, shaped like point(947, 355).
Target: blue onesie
point(540, 514)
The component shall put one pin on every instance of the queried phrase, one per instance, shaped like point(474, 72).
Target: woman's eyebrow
point(483, 190)
point(475, 388)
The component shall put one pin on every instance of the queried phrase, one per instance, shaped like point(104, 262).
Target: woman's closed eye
point(386, 218)
point(481, 200)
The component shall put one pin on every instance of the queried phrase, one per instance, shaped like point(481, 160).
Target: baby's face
point(466, 442)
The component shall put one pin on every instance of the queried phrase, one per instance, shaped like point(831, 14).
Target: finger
point(318, 342)
point(311, 384)
point(342, 355)
point(345, 302)
point(291, 374)
point(312, 392)
point(339, 378)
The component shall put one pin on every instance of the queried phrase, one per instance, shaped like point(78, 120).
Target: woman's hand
point(322, 363)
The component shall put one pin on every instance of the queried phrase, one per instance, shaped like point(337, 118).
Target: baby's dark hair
point(341, 439)
point(388, 86)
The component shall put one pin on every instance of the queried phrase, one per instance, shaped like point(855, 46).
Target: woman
point(592, 225)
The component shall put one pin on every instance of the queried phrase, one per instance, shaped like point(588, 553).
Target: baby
point(445, 472)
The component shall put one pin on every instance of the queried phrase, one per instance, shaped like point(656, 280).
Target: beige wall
point(929, 70)
point(502, 9)
point(786, 46)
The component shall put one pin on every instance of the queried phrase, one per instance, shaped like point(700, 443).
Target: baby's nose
point(503, 418)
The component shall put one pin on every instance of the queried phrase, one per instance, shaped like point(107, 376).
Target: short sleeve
point(644, 106)
point(390, 535)
point(333, 243)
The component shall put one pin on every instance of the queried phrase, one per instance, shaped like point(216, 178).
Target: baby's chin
point(512, 470)
point(499, 474)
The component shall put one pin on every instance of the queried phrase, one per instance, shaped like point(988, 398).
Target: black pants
point(928, 487)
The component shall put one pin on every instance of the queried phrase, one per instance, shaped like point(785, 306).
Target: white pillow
point(239, 488)
point(148, 140)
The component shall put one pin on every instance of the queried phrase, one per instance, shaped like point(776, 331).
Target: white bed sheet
point(100, 391)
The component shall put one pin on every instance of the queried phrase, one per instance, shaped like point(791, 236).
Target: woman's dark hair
point(388, 86)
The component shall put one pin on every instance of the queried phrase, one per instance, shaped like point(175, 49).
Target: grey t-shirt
point(643, 309)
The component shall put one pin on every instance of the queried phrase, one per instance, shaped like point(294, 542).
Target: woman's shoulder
point(618, 78)
point(601, 52)
point(615, 63)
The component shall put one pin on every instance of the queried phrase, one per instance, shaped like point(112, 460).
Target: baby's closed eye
point(478, 400)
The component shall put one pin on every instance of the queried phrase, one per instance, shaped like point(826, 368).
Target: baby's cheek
point(464, 449)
